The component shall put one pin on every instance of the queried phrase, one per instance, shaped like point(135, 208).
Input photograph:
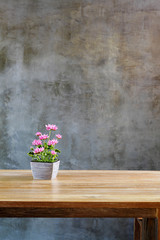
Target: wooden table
point(82, 193)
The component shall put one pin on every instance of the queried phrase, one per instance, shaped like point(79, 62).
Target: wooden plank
point(70, 204)
point(81, 189)
point(76, 212)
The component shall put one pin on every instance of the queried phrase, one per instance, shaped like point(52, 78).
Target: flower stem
point(49, 135)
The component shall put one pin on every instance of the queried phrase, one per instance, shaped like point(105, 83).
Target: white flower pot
point(44, 170)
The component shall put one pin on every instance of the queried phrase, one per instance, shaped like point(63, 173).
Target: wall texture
point(93, 68)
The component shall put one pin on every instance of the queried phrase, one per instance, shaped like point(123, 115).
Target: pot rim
point(45, 162)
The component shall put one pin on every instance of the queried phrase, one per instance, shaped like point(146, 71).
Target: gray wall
point(93, 68)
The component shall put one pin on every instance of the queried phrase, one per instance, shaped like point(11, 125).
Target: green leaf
point(56, 150)
point(31, 154)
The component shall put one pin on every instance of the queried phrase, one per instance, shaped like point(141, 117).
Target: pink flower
point(53, 152)
point(37, 142)
point(51, 127)
point(38, 150)
point(58, 136)
point(38, 134)
point(43, 137)
point(52, 142)
point(49, 143)
point(41, 149)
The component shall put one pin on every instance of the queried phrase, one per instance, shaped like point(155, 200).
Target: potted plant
point(44, 154)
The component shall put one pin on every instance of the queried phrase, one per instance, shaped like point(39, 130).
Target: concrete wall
point(91, 67)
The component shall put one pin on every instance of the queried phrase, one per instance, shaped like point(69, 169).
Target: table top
point(81, 188)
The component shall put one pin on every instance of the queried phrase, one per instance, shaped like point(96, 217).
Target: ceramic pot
point(44, 170)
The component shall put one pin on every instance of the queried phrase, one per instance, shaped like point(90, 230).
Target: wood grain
point(134, 194)
point(76, 212)
point(81, 189)
point(149, 229)
point(145, 229)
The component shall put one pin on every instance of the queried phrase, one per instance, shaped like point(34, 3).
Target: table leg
point(145, 229)
point(158, 217)
point(138, 229)
point(149, 230)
